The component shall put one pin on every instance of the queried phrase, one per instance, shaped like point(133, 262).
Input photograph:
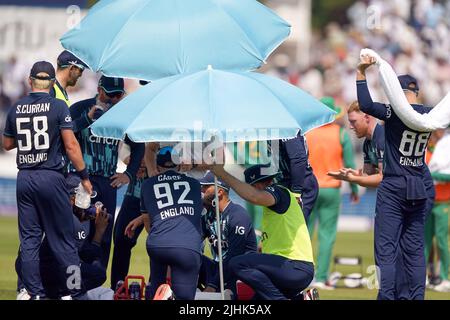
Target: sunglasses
point(114, 94)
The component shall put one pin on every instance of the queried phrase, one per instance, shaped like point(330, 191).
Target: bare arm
point(246, 191)
point(151, 149)
point(9, 143)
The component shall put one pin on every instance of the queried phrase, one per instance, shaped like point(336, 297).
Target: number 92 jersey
point(35, 122)
point(174, 204)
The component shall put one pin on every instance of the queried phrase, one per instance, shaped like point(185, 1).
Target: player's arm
point(151, 149)
point(133, 225)
point(137, 151)
point(80, 116)
point(369, 169)
point(9, 143)
point(9, 134)
point(298, 161)
point(246, 191)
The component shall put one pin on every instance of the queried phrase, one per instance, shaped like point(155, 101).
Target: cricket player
point(405, 194)
point(285, 267)
point(69, 70)
point(238, 234)
point(172, 209)
point(101, 154)
point(40, 127)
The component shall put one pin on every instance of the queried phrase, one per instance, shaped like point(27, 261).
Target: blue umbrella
point(233, 106)
point(230, 106)
point(152, 39)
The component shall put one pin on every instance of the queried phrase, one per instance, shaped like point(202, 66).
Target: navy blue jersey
point(36, 122)
point(404, 149)
point(296, 171)
point(373, 149)
point(238, 234)
point(174, 204)
point(101, 154)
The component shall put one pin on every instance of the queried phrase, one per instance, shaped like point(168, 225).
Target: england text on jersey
point(172, 212)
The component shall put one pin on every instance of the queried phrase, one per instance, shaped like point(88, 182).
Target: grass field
point(347, 244)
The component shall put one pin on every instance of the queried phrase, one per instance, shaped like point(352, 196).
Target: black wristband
point(83, 174)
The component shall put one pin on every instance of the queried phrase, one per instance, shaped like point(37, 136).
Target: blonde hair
point(354, 107)
point(41, 84)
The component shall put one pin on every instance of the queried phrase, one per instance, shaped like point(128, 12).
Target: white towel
point(438, 118)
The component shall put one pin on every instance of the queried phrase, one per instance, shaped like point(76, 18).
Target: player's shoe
point(321, 285)
point(23, 295)
point(164, 293)
point(311, 294)
point(444, 286)
point(69, 297)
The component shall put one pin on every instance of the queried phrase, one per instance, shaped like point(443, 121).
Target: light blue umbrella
point(233, 106)
point(224, 105)
point(152, 39)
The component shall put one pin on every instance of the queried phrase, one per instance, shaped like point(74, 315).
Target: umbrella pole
point(219, 240)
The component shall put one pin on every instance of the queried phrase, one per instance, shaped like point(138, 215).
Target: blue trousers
point(209, 275)
point(272, 277)
point(130, 210)
point(184, 268)
point(44, 207)
point(108, 196)
point(399, 243)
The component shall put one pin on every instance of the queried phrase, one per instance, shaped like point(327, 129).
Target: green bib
point(60, 95)
point(287, 234)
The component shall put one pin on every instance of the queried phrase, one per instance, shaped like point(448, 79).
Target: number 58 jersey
point(174, 203)
point(36, 122)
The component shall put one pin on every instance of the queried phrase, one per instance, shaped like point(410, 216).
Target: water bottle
point(82, 197)
point(135, 291)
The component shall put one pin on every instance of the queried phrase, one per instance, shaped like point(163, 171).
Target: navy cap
point(72, 181)
point(408, 82)
point(208, 180)
point(111, 85)
point(164, 158)
point(66, 59)
point(257, 173)
point(43, 67)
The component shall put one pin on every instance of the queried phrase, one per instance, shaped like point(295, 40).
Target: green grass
point(347, 244)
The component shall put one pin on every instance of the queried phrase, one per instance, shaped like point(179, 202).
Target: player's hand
point(87, 186)
point(354, 198)
point(132, 226)
point(119, 179)
point(101, 221)
point(93, 111)
point(365, 63)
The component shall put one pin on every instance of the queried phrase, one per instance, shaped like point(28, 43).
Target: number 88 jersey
point(174, 203)
point(404, 148)
point(35, 122)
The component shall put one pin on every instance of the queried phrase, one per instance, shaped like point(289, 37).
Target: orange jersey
point(325, 153)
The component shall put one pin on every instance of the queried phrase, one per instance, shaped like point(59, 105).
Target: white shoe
point(69, 297)
point(322, 286)
point(23, 295)
point(444, 286)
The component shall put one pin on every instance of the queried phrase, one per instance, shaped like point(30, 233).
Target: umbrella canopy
point(234, 106)
point(152, 39)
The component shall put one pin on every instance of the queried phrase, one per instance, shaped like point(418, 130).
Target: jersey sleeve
point(64, 117)
point(298, 162)
point(378, 110)
point(282, 198)
point(10, 126)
